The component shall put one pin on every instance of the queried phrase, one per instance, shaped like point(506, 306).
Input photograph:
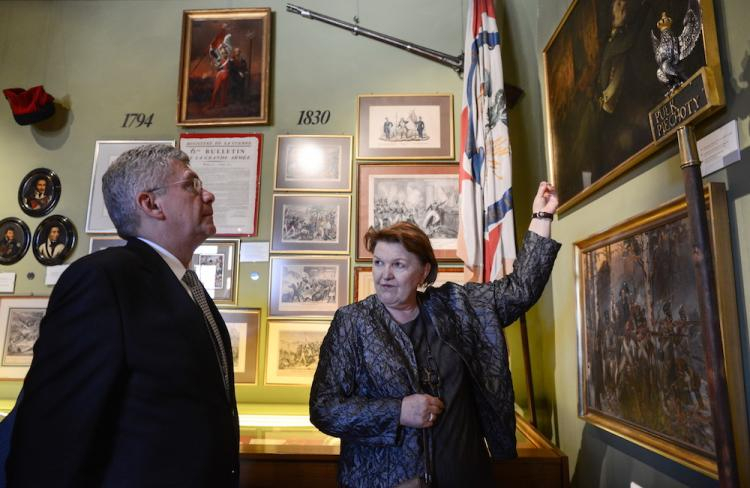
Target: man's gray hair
point(140, 169)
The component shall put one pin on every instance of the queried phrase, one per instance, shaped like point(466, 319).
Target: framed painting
point(615, 91)
point(19, 328)
point(215, 263)
point(229, 166)
point(293, 351)
point(225, 62)
point(364, 285)
point(15, 238)
point(313, 163)
point(54, 240)
point(425, 194)
point(311, 223)
point(405, 126)
point(642, 368)
point(309, 286)
point(243, 325)
point(39, 192)
point(99, 243)
point(105, 153)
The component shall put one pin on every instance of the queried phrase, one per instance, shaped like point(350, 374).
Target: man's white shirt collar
point(174, 264)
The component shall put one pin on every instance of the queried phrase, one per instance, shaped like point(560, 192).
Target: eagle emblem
point(670, 50)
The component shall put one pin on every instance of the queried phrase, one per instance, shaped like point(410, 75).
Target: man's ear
point(149, 205)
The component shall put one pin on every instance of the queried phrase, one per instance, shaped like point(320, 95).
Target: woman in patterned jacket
point(416, 384)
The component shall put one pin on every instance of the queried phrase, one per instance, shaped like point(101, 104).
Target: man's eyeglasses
point(197, 185)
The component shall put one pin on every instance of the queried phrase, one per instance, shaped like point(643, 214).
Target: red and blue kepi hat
point(30, 106)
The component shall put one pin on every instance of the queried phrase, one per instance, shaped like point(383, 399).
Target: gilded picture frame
point(642, 371)
point(243, 325)
point(311, 223)
point(314, 163)
point(405, 126)
point(602, 82)
point(225, 59)
point(293, 348)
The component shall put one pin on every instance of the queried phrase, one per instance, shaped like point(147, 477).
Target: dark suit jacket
point(124, 389)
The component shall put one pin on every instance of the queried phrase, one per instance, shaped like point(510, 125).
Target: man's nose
point(208, 197)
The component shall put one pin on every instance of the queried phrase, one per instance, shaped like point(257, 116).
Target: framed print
point(215, 263)
point(243, 325)
point(615, 92)
point(310, 286)
point(293, 351)
point(425, 194)
point(229, 165)
point(54, 240)
point(15, 238)
point(19, 329)
point(225, 62)
point(311, 223)
point(364, 285)
point(313, 163)
point(105, 153)
point(642, 369)
point(405, 126)
point(39, 192)
point(99, 243)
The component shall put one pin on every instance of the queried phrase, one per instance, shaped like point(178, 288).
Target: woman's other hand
point(420, 410)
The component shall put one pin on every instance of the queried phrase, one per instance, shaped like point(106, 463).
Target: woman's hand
point(420, 410)
point(544, 201)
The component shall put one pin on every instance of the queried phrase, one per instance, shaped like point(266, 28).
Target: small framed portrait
point(405, 126)
point(311, 223)
point(54, 240)
point(15, 239)
point(309, 286)
point(364, 285)
point(39, 192)
point(293, 351)
point(225, 67)
point(215, 263)
point(425, 194)
point(19, 328)
point(99, 243)
point(313, 163)
point(243, 325)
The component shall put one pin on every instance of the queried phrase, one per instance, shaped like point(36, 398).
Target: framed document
point(19, 329)
point(215, 263)
point(293, 351)
point(311, 223)
point(97, 218)
point(313, 163)
point(229, 165)
point(308, 286)
point(243, 325)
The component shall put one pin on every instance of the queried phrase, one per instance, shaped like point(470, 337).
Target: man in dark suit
point(131, 384)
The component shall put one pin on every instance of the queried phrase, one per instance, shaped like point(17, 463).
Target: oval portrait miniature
point(54, 240)
point(39, 192)
point(15, 238)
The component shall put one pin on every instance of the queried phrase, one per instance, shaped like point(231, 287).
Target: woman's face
point(397, 273)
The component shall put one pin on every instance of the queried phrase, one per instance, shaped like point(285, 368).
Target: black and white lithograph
point(20, 335)
point(408, 126)
point(238, 337)
point(315, 224)
point(210, 270)
point(313, 162)
point(307, 287)
point(298, 352)
point(431, 202)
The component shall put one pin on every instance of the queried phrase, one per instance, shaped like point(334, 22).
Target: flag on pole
point(486, 236)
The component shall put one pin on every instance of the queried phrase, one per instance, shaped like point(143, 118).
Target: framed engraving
point(405, 127)
point(99, 243)
point(642, 370)
point(293, 351)
point(311, 223)
point(620, 77)
point(105, 153)
point(19, 328)
point(215, 263)
point(243, 325)
point(364, 285)
point(54, 240)
point(39, 192)
point(15, 238)
point(225, 59)
point(308, 286)
point(313, 163)
point(425, 194)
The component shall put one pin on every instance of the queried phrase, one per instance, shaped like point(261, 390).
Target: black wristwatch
point(542, 215)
